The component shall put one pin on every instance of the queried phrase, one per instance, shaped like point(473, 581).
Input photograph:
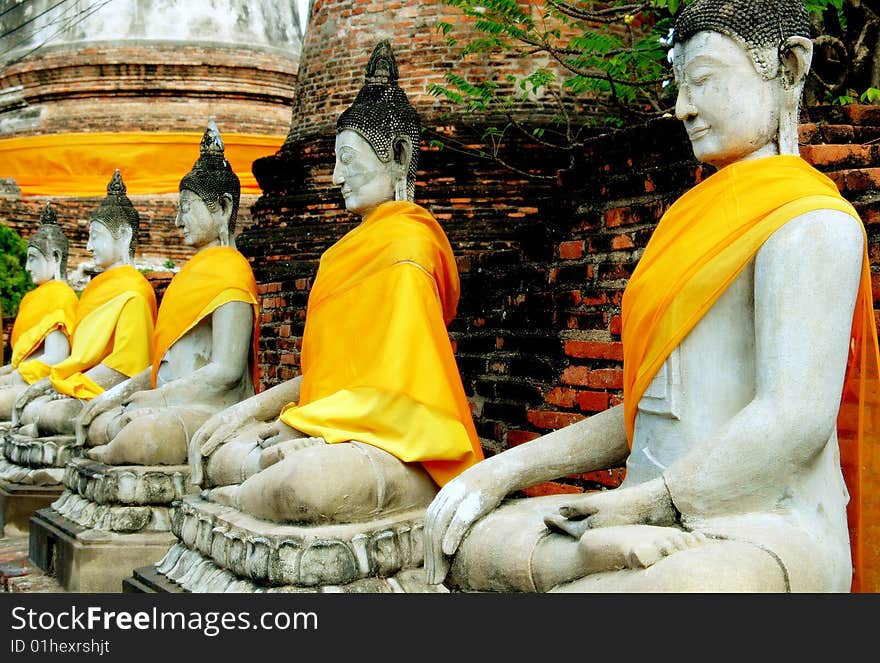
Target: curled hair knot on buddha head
point(48, 237)
point(761, 27)
point(117, 213)
point(212, 177)
point(382, 115)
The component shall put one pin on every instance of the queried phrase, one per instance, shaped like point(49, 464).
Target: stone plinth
point(18, 503)
point(90, 560)
point(30, 475)
point(108, 521)
point(221, 549)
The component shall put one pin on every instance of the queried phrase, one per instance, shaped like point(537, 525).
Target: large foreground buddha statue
point(205, 339)
point(46, 315)
point(378, 419)
point(111, 339)
point(750, 368)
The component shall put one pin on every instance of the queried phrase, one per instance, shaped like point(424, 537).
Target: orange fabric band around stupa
point(73, 164)
point(700, 245)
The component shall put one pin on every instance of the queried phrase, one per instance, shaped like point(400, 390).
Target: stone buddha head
point(740, 67)
point(113, 227)
point(47, 249)
point(209, 196)
point(377, 139)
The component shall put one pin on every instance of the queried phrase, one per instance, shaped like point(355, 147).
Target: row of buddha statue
point(748, 337)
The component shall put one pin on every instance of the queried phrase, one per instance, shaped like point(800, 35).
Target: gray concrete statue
point(42, 329)
point(736, 332)
point(111, 338)
point(114, 514)
point(115, 320)
point(327, 475)
point(205, 336)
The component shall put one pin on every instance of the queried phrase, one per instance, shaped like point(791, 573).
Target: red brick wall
point(543, 265)
point(341, 37)
point(160, 87)
point(158, 239)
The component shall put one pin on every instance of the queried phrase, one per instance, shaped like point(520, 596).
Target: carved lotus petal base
point(220, 541)
point(199, 573)
point(127, 484)
point(30, 476)
point(123, 499)
point(53, 451)
point(121, 518)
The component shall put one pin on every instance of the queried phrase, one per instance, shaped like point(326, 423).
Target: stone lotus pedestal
point(221, 549)
point(31, 470)
point(108, 521)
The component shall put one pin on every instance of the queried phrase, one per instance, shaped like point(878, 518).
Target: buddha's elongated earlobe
point(402, 151)
point(400, 192)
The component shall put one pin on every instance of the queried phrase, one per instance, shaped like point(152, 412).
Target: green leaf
point(870, 96)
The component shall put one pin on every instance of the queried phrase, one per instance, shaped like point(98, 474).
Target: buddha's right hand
point(458, 505)
point(214, 432)
point(97, 406)
point(37, 389)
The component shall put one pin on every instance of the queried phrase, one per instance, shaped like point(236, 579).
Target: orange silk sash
point(50, 306)
point(377, 363)
point(211, 278)
point(699, 247)
point(115, 318)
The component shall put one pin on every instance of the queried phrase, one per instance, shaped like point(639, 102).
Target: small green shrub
point(14, 279)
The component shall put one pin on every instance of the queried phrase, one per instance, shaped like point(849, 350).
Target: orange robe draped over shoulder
point(212, 277)
point(377, 363)
point(114, 327)
point(699, 247)
point(50, 306)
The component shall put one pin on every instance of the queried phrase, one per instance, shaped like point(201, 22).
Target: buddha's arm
point(265, 406)
point(595, 443)
point(56, 348)
point(132, 345)
point(104, 376)
point(806, 280)
point(34, 391)
point(232, 327)
point(223, 425)
point(113, 397)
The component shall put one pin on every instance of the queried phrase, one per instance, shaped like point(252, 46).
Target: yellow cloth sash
point(699, 247)
point(211, 278)
point(50, 306)
point(377, 363)
point(114, 327)
point(151, 162)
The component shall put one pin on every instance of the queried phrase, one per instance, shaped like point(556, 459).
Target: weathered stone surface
point(194, 572)
point(269, 554)
point(126, 484)
point(112, 517)
point(52, 451)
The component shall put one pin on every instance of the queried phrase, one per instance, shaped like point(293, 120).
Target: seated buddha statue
point(45, 319)
point(750, 364)
point(205, 339)
point(112, 332)
point(378, 419)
